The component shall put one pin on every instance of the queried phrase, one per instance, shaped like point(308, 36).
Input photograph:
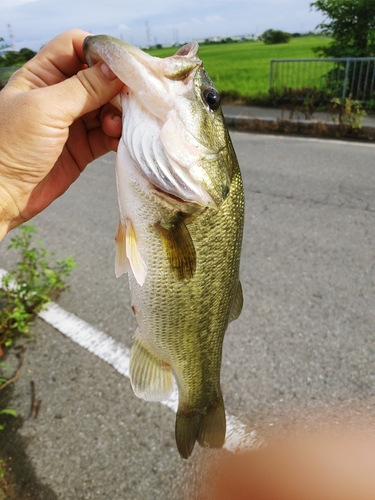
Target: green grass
point(243, 69)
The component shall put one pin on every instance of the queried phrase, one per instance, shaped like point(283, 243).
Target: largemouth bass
point(180, 232)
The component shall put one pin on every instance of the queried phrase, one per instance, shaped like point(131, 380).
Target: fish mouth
point(92, 43)
point(155, 102)
point(141, 72)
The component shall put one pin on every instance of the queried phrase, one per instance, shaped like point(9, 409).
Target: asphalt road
point(301, 355)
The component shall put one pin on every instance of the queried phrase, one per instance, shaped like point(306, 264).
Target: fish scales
point(179, 240)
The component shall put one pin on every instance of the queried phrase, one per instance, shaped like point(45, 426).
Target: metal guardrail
point(5, 74)
point(339, 77)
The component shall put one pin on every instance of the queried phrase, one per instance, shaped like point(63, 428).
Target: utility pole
point(11, 36)
point(148, 35)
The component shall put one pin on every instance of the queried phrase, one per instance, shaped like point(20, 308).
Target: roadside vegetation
point(24, 291)
point(27, 288)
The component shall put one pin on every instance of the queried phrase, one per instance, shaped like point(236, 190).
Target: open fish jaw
point(161, 153)
point(163, 96)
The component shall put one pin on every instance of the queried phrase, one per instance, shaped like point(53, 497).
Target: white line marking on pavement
point(95, 341)
point(107, 349)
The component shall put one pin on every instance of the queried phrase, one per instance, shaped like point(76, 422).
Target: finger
point(109, 117)
point(91, 121)
point(83, 93)
point(101, 143)
point(111, 120)
point(65, 51)
point(59, 59)
point(85, 146)
point(313, 467)
point(72, 162)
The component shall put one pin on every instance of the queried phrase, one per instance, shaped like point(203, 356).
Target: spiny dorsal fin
point(237, 304)
point(150, 377)
point(179, 247)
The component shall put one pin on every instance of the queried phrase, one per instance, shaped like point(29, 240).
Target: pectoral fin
point(137, 264)
point(237, 304)
point(150, 377)
point(179, 247)
point(121, 262)
point(127, 254)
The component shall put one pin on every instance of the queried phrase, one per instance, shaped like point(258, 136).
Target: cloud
point(14, 3)
point(214, 19)
point(123, 27)
point(36, 20)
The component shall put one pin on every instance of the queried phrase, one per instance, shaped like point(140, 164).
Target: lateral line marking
point(112, 352)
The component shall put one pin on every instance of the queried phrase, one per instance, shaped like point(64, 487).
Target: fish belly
point(182, 322)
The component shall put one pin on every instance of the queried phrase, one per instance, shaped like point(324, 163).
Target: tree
point(9, 58)
point(275, 36)
point(27, 54)
point(3, 46)
point(351, 24)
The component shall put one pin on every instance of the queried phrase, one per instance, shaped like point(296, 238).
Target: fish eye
point(212, 98)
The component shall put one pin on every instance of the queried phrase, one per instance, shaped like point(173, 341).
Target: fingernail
point(117, 119)
point(107, 72)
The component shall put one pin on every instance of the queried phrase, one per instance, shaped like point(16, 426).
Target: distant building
point(236, 38)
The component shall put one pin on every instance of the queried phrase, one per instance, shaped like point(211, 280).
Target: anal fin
point(179, 247)
point(151, 378)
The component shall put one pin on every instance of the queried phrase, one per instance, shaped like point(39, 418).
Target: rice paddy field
point(243, 69)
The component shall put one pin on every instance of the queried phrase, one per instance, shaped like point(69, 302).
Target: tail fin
point(208, 428)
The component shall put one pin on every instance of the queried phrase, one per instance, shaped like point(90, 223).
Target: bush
point(275, 36)
point(33, 283)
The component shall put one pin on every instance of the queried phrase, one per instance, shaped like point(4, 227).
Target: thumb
point(86, 91)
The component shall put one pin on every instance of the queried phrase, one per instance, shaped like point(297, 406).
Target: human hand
point(316, 466)
point(54, 120)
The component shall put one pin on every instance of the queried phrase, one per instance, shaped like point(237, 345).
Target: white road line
point(83, 334)
point(107, 349)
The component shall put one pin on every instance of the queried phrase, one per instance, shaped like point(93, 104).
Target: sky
point(32, 23)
